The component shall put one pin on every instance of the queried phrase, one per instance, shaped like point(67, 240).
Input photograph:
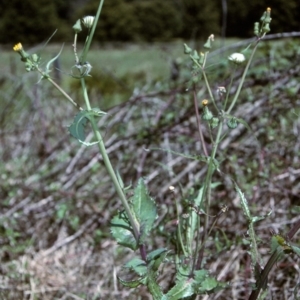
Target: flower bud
point(266, 28)
point(35, 58)
point(201, 58)
point(210, 39)
point(195, 55)
point(256, 28)
point(232, 123)
point(214, 122)
point(187, 49)
point(207, 115)
point(268, 18)
point(204, 102)
point(77, 26)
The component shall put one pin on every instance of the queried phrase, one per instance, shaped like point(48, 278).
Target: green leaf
point(204, 283)
point(76, 129)
point(51, 61)
point(200, 275)
point(244, 203)
point(122, 232)
point(192, 225)
point(155, 254)
point(61, 210)
point(132, 283)
point(144, 209)
point(138, 266)
point(208, 284)
point(256, 219)
point(155, 258)
point(296, 250)
point(183, 288)
point(193, 157)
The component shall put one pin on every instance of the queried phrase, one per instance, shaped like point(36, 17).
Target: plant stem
point(237, 94)
point(91, 34)
point(207, 194)
point(108, 165)
point(64, 93)
point(199, 124)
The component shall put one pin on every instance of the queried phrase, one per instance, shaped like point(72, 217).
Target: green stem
point(209, 90)
point(229, 89)
point(99, 138)
point(202, 68)
point(64, 93)
point(237, 94)
point(108, 165)
point(44, 75)
point(207, 193)
point(89, 41)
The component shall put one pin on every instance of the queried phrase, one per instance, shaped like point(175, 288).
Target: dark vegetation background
point(142, 20)
point(56, 200)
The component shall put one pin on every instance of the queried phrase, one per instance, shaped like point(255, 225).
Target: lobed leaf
point(144, 209)
point(122, 232)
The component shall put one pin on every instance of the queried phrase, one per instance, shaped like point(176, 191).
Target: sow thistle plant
point(133, 224)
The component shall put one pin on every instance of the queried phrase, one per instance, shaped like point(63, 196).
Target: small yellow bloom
point(18, 47)
point(204, 102)
point(268, 9)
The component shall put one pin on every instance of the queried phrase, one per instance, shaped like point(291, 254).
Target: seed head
point(88, 21)
point(237, 58)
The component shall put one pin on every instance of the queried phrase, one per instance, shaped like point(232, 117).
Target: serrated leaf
point(122, 232)
point(200, 275)
point(155, 258)
point(183, 288)
point(208, 284)
point(144, 209)
point(205, 284)
point(244, 203)
point(155, 254)
point(138, 266)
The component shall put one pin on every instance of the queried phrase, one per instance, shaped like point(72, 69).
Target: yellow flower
point(204, 102)
point(18, 47)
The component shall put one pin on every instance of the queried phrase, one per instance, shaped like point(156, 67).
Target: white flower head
point(237, 58)
point(88, 21)
point(212, 37)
